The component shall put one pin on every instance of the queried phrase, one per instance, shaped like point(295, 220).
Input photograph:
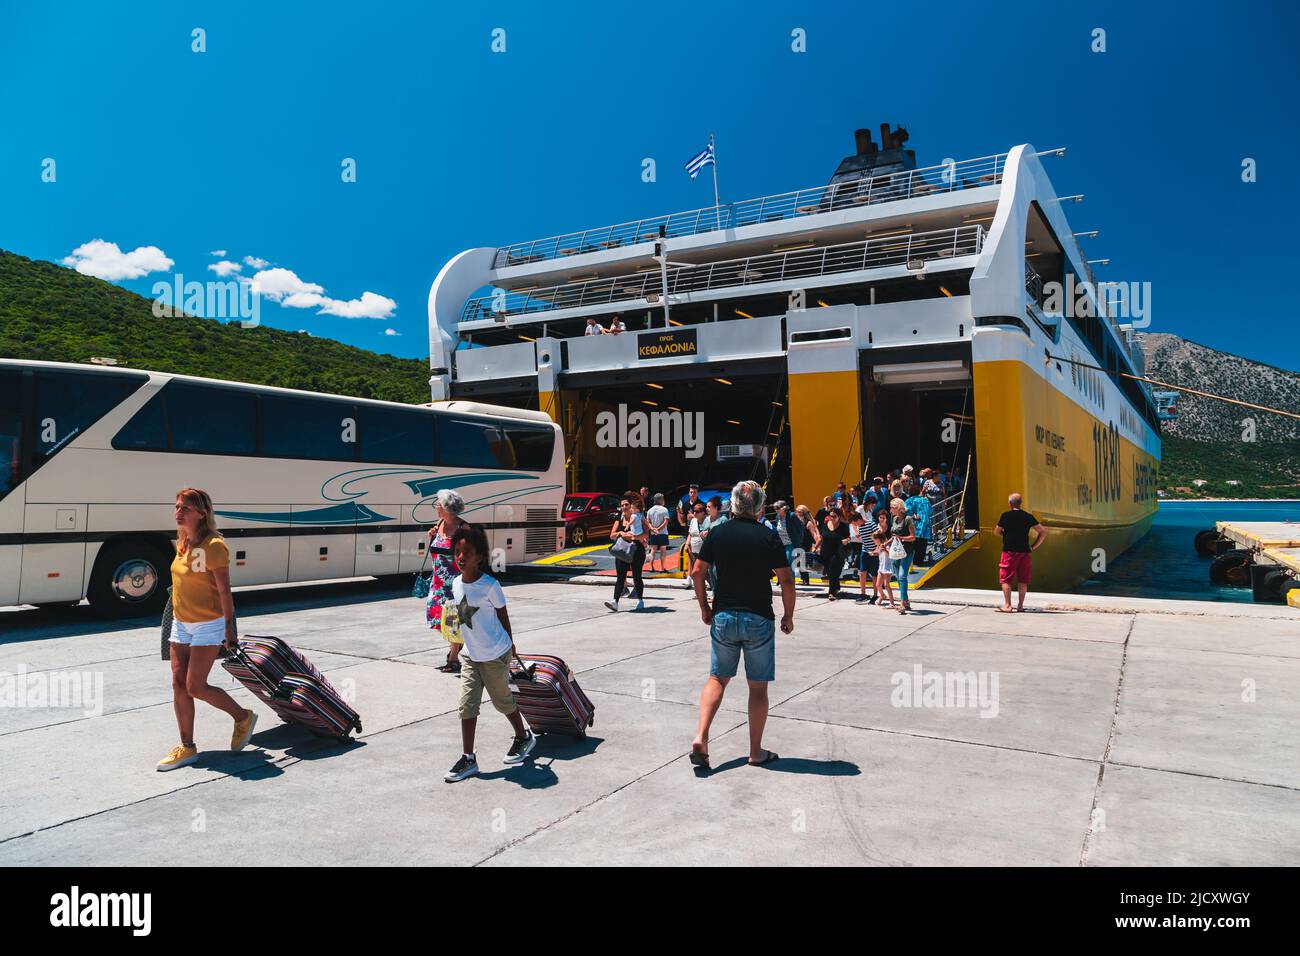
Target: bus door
point(54, 559)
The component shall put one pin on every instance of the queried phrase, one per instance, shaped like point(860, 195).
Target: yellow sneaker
point(243, 730)
point(180, 756)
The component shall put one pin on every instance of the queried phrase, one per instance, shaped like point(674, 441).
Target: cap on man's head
point(779, 505)
point(695, 487)
point(877, 480)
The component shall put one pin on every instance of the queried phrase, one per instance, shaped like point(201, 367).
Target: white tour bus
point(306, 486)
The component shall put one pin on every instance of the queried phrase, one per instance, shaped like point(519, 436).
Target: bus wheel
point(1231, 567)
point(130, 580)
point(1206, 542)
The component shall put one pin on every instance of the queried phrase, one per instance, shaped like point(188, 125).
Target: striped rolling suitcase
point(549, 696)
point(291, 686)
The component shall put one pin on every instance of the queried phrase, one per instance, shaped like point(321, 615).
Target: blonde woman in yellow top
point(203, 619)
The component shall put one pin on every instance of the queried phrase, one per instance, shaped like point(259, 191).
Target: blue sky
point(239, 148)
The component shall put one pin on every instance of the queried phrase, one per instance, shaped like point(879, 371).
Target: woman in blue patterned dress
point(443, 568)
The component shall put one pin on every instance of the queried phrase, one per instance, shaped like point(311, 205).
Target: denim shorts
point(737, 632)
point(200, 634)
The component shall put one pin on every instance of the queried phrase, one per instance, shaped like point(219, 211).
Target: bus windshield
point(11, 431)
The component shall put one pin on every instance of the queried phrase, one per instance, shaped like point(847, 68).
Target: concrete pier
point(1096, 731)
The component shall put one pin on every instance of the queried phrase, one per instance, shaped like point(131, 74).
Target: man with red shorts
point(1013, 528)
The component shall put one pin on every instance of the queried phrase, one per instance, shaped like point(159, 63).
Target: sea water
point(1165, 564)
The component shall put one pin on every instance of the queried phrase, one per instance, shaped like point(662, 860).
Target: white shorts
point(202, 634)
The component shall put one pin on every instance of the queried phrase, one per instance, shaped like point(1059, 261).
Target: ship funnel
point(863, 139)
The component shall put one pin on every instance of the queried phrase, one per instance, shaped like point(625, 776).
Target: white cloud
point(225, 267)
point(104, 260)
point(255, 262)
point(391, 332)
point(219, 253)
point(285, 287)
point(277, 284)
point(371, 305)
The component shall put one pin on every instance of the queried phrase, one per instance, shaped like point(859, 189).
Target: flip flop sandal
point(700, 760)
point(771, 755)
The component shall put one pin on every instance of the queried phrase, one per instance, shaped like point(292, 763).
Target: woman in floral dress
point(443, 568)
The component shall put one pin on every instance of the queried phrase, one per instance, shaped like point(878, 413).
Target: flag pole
point(717, 203)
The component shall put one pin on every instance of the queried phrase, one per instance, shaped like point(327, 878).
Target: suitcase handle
point(529, 672)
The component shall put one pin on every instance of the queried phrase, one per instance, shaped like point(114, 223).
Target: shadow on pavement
point(536, 773)
point(822, 768)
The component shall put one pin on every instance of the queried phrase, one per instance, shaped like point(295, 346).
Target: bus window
point(67, 403)
point(208, 420)
point(11, 431)
point(532, 446)
point(308, 428)
point(466, 443)
point(397, 436)
point(147, 429)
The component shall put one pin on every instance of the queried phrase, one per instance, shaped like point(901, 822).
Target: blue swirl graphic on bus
point(424, 484)
point(348, 513)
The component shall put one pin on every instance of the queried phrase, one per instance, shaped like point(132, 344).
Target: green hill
point(52, 313)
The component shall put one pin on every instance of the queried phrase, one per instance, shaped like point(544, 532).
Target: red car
point(589, 515)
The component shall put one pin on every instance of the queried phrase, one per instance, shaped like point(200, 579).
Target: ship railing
point(1034, 284)
point(946, 524)
point(911, 249)
point(950, 176)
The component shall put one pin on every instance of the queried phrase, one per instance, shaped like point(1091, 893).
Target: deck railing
point(876, 253)
point(887, 187)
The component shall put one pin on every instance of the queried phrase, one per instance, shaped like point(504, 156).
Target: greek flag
point(700, 160)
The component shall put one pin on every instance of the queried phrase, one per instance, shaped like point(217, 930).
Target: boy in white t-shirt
point(477, 614)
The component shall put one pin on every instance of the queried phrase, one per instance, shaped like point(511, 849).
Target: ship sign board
point(668, 343)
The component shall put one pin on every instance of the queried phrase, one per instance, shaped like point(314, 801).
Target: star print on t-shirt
point(466, 612)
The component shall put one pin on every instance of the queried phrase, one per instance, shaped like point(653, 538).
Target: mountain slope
point(1211, 440)
point(1174, 359)
point(52, 313)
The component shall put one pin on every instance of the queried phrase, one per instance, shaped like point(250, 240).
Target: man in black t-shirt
point(740, 620)
point(1014, 568)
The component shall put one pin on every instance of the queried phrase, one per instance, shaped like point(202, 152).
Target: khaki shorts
point(476, 675)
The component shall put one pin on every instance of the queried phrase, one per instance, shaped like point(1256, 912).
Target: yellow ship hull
point(1078, 472)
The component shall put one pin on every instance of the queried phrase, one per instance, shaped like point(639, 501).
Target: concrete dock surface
point(1088, 731)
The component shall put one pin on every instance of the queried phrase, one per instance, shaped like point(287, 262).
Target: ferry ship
point(896, 315)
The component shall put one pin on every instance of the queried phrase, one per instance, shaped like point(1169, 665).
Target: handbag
point(167, 628)
point(623, 550)
point(897, 551)
point(422, 582)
